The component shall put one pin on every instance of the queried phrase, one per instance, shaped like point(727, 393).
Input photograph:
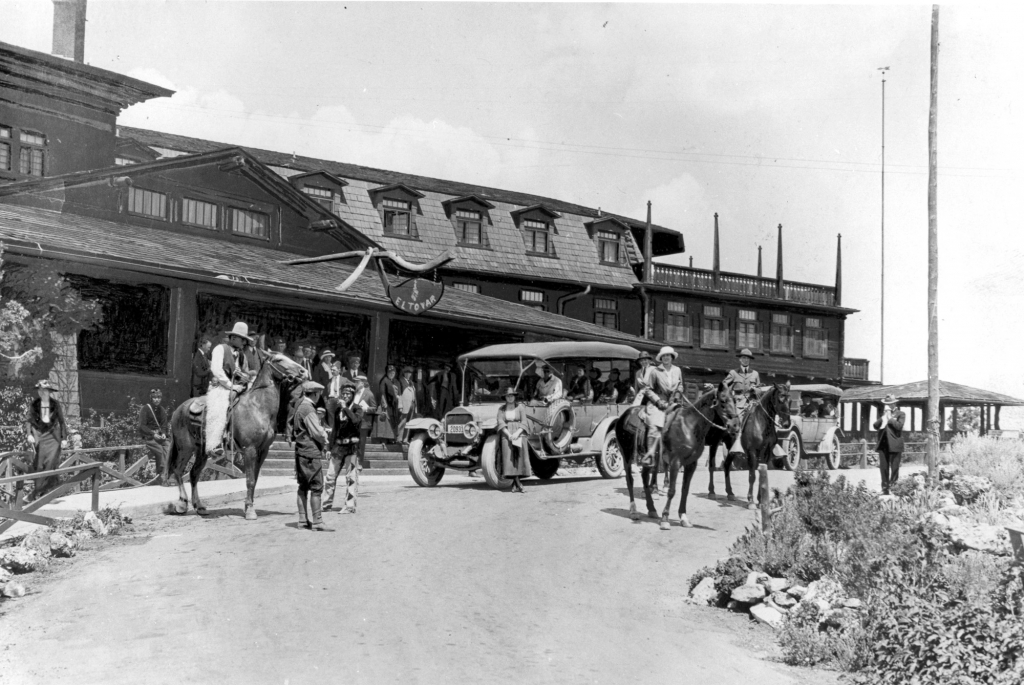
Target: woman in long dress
point(406, 404)
point(515, 455)
point(46, 434)
point(387, 408)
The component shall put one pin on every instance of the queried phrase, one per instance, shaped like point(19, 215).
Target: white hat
point(241, 330)
point(666, 350)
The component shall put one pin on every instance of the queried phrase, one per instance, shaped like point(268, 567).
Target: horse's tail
point(182, 445)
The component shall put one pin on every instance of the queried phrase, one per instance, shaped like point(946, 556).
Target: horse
point(253, 418)
point(683, 441)
point(758, 438)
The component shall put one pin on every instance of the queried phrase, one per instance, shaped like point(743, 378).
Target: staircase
point(380, 460)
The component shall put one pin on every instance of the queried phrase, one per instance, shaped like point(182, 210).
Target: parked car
point(815, 425)
point(466, 438)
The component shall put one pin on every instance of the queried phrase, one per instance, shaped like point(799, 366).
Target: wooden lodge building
point(179, 237)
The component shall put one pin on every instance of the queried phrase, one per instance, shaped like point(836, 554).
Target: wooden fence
point(912, 451)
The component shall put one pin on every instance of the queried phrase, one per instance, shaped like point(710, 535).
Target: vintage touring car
point(814, 425)
point(466, 438)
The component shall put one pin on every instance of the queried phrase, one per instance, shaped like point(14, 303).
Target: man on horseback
point(229, 373)
point(659, 385)
point(744, 382)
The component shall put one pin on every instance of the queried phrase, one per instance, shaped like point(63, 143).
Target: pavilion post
point(933, 254)
point(997, 417)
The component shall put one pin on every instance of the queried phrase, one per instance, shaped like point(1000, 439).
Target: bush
point(804, 644)
point(1000, 461)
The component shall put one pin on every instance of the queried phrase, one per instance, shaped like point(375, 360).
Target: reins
point(700, 414)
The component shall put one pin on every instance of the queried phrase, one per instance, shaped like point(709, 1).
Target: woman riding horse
point(758, 438)
point(253, 419)
point(686, 428)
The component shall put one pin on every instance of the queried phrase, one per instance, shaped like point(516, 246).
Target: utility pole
point(934, 418)
point(881, 364)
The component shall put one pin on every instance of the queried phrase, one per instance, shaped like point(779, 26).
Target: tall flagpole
point(934, 418)
point(881, 364)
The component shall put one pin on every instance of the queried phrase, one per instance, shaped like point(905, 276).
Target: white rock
point(13, 589)
point(853, 603)
point(783, 600)
point(936, 518)
point(704, 592)
point(748, 594)
point(62, 545)
point(21, 560)
point(982, 537)
point(827, 590)
point(797, 591)
point(5, 575)
point(94, 524)
point(755, 577)
point(767, 615)
point(775, 584)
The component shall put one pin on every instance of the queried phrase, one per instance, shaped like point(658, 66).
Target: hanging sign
point(416, 295)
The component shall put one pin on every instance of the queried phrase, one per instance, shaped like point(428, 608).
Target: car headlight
point(472, 431)
point(435, 431)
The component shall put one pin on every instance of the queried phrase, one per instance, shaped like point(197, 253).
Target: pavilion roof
point(950, 394)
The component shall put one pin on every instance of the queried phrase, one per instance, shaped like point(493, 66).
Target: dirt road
point(456, 584)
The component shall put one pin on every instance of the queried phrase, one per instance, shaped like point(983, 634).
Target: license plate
point(458, 428)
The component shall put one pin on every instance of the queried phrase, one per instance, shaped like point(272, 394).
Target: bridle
point(714, 406)
point(267, 359)
point(774, 392)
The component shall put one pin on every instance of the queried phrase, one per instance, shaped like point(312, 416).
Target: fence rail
point(741, 284)
point(19, 511)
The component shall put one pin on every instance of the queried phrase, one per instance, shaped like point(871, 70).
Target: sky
point(765, 114)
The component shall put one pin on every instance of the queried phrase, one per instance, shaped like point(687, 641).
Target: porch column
point(865, 419)
point(997, 417)
point(377, 355)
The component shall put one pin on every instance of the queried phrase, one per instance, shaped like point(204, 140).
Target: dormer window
point(324, 196)
point(470, 226)
point(610, 246)
point(538, 236)
point(538, 227)
point(31, 159)
point(147, 203)
point(469, 215)
point(397, 217)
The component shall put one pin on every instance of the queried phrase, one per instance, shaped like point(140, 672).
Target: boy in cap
point(153, 429)
point(310, 443)
point(345, 442)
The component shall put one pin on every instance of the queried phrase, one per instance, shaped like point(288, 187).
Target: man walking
point(890, 441)
point(201, 368)
point(229, 374)
point(153, 429)
point(345, 442)
point(310, 443)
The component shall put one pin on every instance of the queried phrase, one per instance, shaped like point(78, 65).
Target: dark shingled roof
point(47, 234)
point(949, 394)
point(577, 251)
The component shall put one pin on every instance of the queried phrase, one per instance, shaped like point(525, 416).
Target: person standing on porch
point(201, 368)
point(390, 390)
point(345, 449)
point(364, 397)
point(227, 366)
point(46, 431)
point(310, 444)
point(890, 441)
point(153, 430)
point(407, 404)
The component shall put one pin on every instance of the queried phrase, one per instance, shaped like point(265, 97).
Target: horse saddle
point(197, 417)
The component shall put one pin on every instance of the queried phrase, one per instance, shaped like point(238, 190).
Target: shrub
point(1000, 461)
point(779, 552)
point(805, 644)
point(730, 574)
point(976, 577)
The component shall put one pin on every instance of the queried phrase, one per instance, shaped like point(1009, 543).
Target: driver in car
point(549, 388)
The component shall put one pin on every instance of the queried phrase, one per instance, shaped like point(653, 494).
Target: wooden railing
point(855, 369)
point(690, 278)
point(19, 511)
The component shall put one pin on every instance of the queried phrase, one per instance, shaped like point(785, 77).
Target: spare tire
point(560, 426)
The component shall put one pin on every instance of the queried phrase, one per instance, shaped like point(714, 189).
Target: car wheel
point(609, 462)
point(561, 424)
point(422, 467)
point(545, 469)
point(490, 464)
point(835, 454)
point(793, 450)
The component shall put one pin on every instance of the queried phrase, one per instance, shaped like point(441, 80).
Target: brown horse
point(758, 438)
point(683, 440)
point(252, 429)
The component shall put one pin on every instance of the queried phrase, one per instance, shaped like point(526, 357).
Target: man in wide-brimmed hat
point(661, 383)
point(310, 445)
point(743, 381)
point(228, 374)
point(890, 441)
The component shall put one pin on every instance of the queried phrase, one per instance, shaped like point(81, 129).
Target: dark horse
point(251, 428)
point(758, 438)
point(684, 434)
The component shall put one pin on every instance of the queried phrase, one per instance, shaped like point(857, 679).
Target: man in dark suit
point(364, 397)
point(890, 442)
point(201, 368)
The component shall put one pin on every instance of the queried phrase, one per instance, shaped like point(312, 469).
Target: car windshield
point(488, 379)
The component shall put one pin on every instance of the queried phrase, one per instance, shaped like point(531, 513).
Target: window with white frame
point(5, 148)
point(123, 161)
point(469, 226)
point(606, 312)
point(323, 196)
point(397, 217)
point(610, 247)
point(748, 330)
point(198, 213)
point(677, 323)
point(147, 203)
point(32, 154)
point(714, 332)
point(531, 296)
point(538, 236)
point(815, 339)
point(249, 223)
point(781, 334)
point(467, 287)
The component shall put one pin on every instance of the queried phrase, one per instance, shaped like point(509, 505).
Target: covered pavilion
point(913, 397)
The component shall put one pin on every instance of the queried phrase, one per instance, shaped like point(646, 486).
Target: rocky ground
point(455, 584)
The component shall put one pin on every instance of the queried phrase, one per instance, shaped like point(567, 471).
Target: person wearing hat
point(323, 371)
point(345, 442)
point(634, 389)
point(549, 387)
point(406, 403)
point(612, 390)
point(46, 433)
point(364, 397)
point(445, 390)
point(579, 386)
point(389, 392)
point(596, 385)
point(201, 368)
point(662, 382)
point(228, 374)
point(890, 441)
point(310, 444)
point(153, 420)
point(353, 360)
point(511, 428)
point(744, 382)
point(278, 345)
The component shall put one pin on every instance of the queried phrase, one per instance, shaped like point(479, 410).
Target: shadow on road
point(644, 518)
point(240, 513)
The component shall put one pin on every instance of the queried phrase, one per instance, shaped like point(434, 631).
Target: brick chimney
point(69, 29)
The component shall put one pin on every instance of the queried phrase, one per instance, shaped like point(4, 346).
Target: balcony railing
point(855, 369)
point(739, 284)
